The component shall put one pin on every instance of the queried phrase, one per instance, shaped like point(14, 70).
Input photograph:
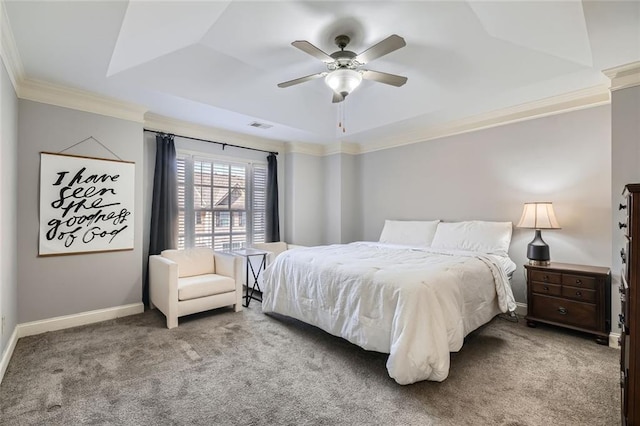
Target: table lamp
point(538, 216)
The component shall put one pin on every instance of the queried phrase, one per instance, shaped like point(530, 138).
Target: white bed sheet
point(416, 304)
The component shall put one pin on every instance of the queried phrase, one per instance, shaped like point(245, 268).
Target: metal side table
point(248, 253)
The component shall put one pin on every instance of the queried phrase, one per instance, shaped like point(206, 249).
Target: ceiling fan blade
point(309, 48)
point(388, 45)
point(383, 77)
point(301, 79)
point(337, 97)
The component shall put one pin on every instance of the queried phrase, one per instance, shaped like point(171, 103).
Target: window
point(221, 204)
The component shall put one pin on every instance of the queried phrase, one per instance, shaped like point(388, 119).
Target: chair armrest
point(231, 266)
point(226, 264)
point(163, 284)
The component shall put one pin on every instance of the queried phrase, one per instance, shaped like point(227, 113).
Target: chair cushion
point(194, 261)
point(204, 285)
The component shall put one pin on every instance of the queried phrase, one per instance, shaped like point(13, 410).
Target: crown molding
point(624, 76)
point(9, 50)
point(49, 93)
point(53, 94)
point(305, 148)
point(323, 150)
point(572, 101)
point(341, 147)
point(185, 128)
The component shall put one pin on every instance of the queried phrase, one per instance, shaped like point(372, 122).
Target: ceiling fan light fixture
point(343, 80)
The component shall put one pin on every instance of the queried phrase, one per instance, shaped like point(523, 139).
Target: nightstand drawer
point(545, 277)
point(577, 293)
point(564, 311)
point(544, 288)
point(579, 281)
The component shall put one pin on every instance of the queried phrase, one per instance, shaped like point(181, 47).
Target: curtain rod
point(224, 144)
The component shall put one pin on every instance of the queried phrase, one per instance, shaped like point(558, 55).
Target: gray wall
point(625, 168)
point(64, 285)
point(332, 201)
point(489, 174)
point(342, 204)
point(304, 203)
point(351, 207)
point(8, 209)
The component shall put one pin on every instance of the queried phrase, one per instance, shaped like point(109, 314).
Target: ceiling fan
point(343, 74)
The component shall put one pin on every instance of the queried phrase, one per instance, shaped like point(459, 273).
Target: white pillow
point(409, 232)
point(474, 235)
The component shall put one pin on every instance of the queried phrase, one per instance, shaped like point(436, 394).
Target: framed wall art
point(86, 204)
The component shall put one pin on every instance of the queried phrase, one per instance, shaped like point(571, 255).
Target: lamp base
point(539, 262)
point(538, 251)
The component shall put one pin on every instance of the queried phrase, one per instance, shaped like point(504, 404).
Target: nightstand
point(570, 296)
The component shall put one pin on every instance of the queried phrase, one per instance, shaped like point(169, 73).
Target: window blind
point(221, 203)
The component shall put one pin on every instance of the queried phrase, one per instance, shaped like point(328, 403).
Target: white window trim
point(222, 158)
point(191, 155)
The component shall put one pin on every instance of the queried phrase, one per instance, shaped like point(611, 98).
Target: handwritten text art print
point(86, 204)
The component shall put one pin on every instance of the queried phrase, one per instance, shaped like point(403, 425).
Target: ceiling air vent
point(260, 125)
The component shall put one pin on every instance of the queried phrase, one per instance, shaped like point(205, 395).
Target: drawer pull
point(546, 288)
point(622, 256)
point(622, 225)
point(579, 293)
point(545, 278)
point(622, 206)
point(563, 311)
point(621, 318)
point(578, 282)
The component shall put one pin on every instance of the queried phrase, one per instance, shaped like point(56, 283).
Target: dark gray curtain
point(273, 219)
point(164, 208)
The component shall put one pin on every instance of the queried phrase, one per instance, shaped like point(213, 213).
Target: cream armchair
point(274, 249)
point(183, 282)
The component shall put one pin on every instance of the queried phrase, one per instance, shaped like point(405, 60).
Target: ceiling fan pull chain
point(344, 116)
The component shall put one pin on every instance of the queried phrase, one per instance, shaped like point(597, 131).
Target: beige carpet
point(247, 368)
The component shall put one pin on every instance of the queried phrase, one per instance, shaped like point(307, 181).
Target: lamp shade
point(343, 80)
point(538, 216)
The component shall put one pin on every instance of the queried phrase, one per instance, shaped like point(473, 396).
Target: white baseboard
point(8, 352)
point(82, 318)
point(59, 323)
point(521, 309)
point(613, 340)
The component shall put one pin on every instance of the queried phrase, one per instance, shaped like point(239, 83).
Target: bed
point(415, 301)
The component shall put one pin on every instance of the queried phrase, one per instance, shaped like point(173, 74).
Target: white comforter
point(417, 305)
